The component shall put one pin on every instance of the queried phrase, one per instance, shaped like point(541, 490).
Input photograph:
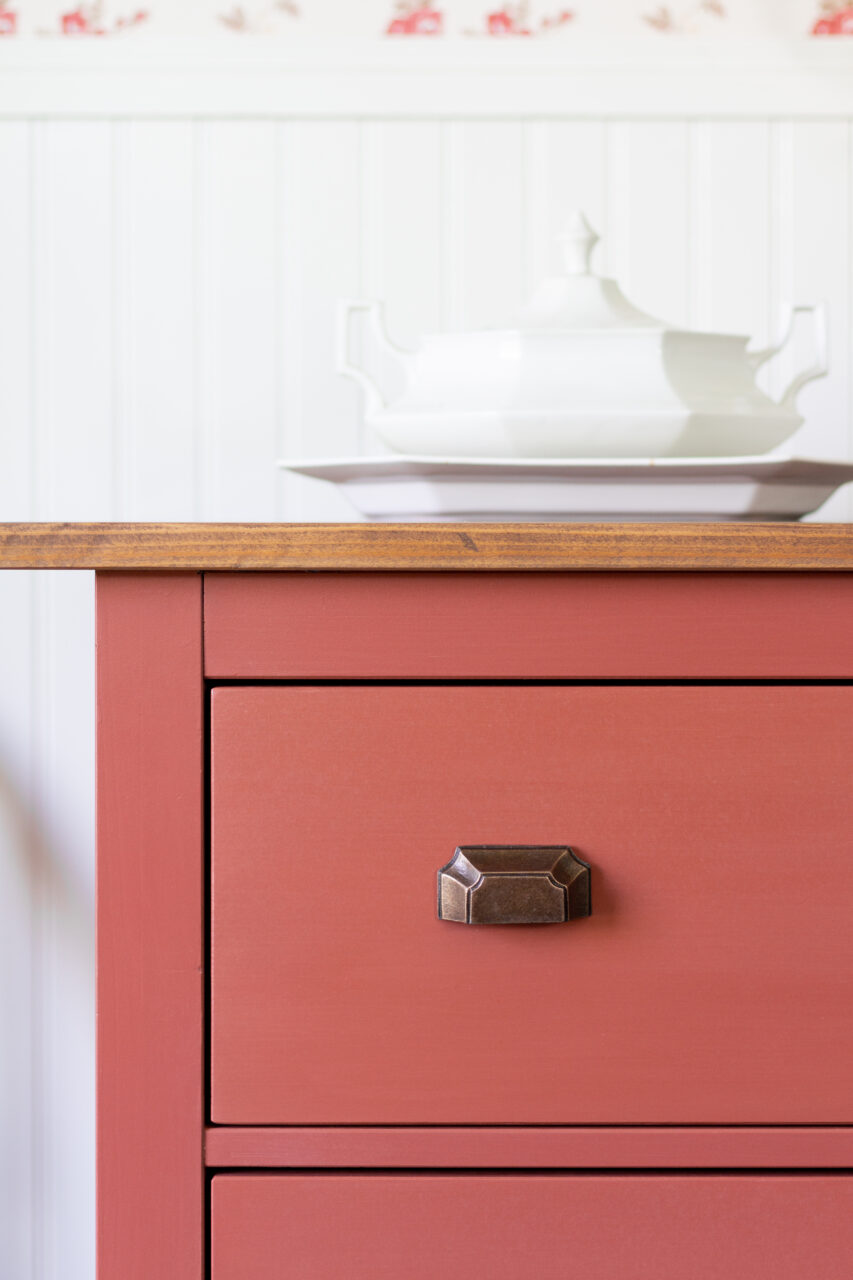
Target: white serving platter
point(405, 487)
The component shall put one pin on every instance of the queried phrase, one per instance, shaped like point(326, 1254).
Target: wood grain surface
point(432, 546)
point(150, 928)
point(533, 1147)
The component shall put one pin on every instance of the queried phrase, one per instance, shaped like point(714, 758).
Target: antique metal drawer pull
point(513, 884)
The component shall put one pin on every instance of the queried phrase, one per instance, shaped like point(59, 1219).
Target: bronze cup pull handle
point(513, 884)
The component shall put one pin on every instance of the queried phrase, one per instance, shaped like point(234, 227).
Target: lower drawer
point(531, 1227)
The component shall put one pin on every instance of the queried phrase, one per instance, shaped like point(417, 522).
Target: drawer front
point(712, 983)
point(525, 626)
point(531, 1227)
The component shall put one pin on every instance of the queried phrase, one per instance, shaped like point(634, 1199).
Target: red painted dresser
point(304, 1072)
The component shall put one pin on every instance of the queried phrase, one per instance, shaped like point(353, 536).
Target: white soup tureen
point(584, 375)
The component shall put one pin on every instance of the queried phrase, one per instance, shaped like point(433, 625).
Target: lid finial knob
point(577, 241)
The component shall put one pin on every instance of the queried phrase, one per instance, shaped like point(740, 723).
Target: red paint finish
point(640, 1147)
point(150, 935)
point(712, 984)
point(525, 626)
point(503, 1227)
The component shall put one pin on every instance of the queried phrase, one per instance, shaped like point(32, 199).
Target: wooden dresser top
point(270, 547)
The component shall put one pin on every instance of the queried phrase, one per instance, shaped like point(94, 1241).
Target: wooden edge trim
point(200, 547)
point(150, 926)
point(535, 1147)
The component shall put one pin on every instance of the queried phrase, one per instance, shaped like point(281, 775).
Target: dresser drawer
point(531, 1227)
point(712, 983)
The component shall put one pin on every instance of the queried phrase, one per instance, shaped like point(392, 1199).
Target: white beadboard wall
point(166, 332)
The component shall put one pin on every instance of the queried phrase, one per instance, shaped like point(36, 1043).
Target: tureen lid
point(580, 299)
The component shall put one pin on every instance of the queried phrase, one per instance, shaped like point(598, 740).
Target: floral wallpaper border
point(408, 19)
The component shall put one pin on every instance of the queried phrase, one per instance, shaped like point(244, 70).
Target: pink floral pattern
point(836, 19)
point(511, 20)
point(515, 20)
point(414, 18)
point(239, 19)
point(663, 19)
point(88, 20)
point(310, 20)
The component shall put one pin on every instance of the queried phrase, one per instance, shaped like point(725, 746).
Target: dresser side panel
point(150, 927)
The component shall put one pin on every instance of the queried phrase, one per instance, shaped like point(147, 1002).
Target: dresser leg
point(150, 927)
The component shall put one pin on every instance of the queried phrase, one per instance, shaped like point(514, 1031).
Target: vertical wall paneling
point(154, 307)
point(78, 446)
point(402, 236)
point(700, 281)
point(19, 846)
point(780, 238)
point(288, 388)
point(64, 728)
point(19, 850)
point(566, 171)
point(203, 321)
point(485, 235)
point(76, 422)
point(731, 209)
point(819, 270)
point(402, 200)
point(451, 277)
point(16, 318)
point(238, 363)
point(319, 223)
point(648, 215)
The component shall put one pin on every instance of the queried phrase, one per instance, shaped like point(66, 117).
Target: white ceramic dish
point(429, 488)
point(585, 374)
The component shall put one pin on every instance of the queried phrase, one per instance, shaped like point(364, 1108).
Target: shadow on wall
point(45, 1038)
point(49, 877)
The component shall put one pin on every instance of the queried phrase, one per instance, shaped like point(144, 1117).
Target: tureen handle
point(821, 366)
point(375, 401)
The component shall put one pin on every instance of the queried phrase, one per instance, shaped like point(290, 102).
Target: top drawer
point(713, 982)
point(545, 626)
